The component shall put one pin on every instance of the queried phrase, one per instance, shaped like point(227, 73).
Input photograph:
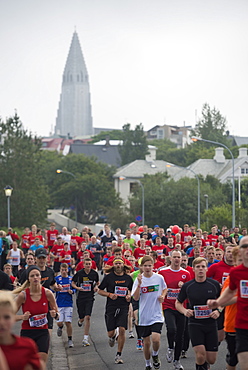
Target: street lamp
point(72, 174)
point(8, 191)
point(198, 183)
point(196, 138)
point(143, 195)
point(206, 197)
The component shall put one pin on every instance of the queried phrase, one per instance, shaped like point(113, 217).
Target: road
point(100, 356)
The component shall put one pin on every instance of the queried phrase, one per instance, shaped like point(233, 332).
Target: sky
point(153, 62)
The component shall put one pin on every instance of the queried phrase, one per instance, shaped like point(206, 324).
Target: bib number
point(202, 312)
point(173, 293)
point(38, 320)
point(86, 287)
point(121, 291)
point(244, 288)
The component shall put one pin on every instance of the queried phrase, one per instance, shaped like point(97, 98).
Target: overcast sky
point(150, 61)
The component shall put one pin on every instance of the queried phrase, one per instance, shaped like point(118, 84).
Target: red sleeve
point(93, 265)
point(211, 271)
point(33, 357)
point(232, 282)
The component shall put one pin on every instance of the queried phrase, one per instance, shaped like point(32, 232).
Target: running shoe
point(177, 365)
point(118, 359)
point(156, 362)
point(131, 335)
point(148, 367)
point(183, 354)
point(139, 344)
point(112, 341)
point(169, 355)
point(85, 343)
point(59, 331)
point(70, 343)
point(80, 324)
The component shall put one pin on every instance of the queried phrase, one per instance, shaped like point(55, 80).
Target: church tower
point(74, 112)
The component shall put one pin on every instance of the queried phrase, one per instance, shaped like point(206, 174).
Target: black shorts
point(241, 340)
point(84, 307)
point(231, 356)
point(40, 336)
point(116, 316)
point(206, 335)
point(146, 331)
point(56, 266)
point(135, 304)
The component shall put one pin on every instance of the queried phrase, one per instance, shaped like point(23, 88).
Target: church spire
point(74, 113)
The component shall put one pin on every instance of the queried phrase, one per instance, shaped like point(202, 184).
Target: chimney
point(219, 155)
point(151, 156)
point(242, 152)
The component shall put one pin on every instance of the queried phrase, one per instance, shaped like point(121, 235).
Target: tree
point(20, 159)
point(212, 126)
point(134, 144)
point(111, 135)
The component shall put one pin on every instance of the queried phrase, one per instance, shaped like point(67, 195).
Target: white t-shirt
point(150, 309)
point(136, 237)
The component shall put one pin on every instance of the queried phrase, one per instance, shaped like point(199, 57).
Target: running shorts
point(40, 336)
point(84, 307)
point(115, 317)
point(146, 331)
point(206, 335)
point(65, 314)
point(241, 340)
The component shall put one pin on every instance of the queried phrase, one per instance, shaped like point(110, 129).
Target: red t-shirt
point(239, 280)
point(168, 250)
point(147, 243)
point(157, 265)
point(75, 241)
point(184, 236)
point(158, 249)
point(66, 257)
point(191, 271)
point(51, 237)
point(213, 239)
point(25, 241)
point(207, 242)
point(32, 238)
point(172, 278)
point(219, 271)
point(38, 311)
point(12, 278)
point(138, 253)
point(21, 353)
point(80, 255)
point(80, 265)
point(56, 250)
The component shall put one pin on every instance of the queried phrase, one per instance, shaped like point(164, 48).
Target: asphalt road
point(100, 356)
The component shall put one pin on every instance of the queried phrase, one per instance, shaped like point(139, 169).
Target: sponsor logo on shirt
point(244, 288)
point(150, 289)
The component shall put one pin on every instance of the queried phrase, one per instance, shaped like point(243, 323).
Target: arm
point(162, 296)
point(225, 297)
point(107, 294)
point(136, 293)
point(52, 303)
point(19, 301)
point(185, 311)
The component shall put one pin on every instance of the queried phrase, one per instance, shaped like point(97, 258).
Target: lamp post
point(206, 197)
point(198, 190)
point(143, 195)
point(196, 138)
point(8, 191)
point(71, 174)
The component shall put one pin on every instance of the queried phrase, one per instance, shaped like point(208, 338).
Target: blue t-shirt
point(35, 247)
point(63, 298)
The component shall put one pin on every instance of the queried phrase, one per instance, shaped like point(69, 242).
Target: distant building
point(178, 135)
point(74, 113)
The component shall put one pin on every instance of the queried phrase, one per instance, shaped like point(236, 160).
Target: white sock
point(86, 337)
point(155, 353)
point(148, 362)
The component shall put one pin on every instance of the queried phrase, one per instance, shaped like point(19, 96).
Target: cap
point(33, 267)
point(155, 226)
point(41, 252)
point(168, 230)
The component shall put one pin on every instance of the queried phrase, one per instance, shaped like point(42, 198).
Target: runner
point(202, 320)
point(238, 281)
point(51, 236)
point(86, 283)
point(20, 353)
point(65, 303)
point(118, 285)
point(150, 289)
point(14, 256)
point(174, 277)
point(35, 301)
point(55, 251)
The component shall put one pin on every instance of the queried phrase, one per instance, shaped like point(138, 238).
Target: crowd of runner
point(195, 281)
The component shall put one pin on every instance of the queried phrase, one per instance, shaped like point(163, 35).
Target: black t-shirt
point(118, 284)
point(107, 239)
point(47, 278)
point(198, 294)
point(87, 282)
point(5, 282)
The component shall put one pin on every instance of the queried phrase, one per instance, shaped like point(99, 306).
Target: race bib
point(52, 237)
point(86, 287)
point(38, 320)
point(202, 312)
point(14, 259)
point(93, 249)
point(150, 289)
point(65, 288)
point(244, 288)
point(121, 291)
point(160, 252)
point(224, 276)
point(173, 293)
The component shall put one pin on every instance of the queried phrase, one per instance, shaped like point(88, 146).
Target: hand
point(189, 313)
point(139, 278)
point(70, 291)
point(96, 289)
point(53, 313)
point(161, 298)
point(212, 303)
point(180, 284)
point(59, 288)
point(214, 314)
point(26, 315)
point(113, 296)
point(128, 297)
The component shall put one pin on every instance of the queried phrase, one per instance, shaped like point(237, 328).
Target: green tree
point(134, 144)
point(20, 159)
point(211, 126)
point(111, 135)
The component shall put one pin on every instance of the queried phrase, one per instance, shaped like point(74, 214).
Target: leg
point(243, 360)
point(180, 325)
point(43, 356)
point(200, 354)
point(211, 357)
point(68, 329)
point(155, 341)
point(170, 321)
point(121, 338)
point(147, 348)
point(86, 325)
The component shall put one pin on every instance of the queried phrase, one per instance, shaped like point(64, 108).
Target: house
point(178, 135)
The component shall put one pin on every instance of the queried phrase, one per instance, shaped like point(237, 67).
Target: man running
point(118, 285)
point(238, 282)
point(175, 276)
point(85, 281)
point(202, 320)
point(150, 289)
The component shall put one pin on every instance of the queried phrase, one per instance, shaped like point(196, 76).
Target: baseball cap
point(155, 226)
point(168, 230)
point(41, 252)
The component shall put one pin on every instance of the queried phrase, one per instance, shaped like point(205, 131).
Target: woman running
point(35, 301)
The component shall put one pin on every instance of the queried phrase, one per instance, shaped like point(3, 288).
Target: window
point(246, 170)
point(133, 187)
point(242, 170)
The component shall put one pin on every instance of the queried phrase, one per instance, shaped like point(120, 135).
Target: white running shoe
point(177, 365)
point(70, 343)
point(169, 355)
point(118, 359)
point(112, 341)
point(130, 335)
point(85, 343)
